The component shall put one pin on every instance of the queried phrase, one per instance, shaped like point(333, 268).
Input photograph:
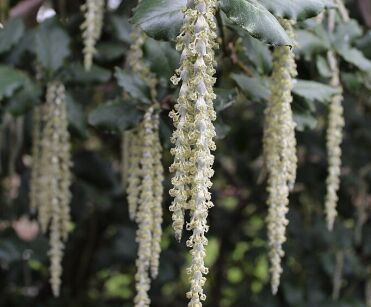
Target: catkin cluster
point(279, 145)
point(334, 138)
point(145, 199)
point(51, 177)
point(193, 137)
point(92, 28)
point(142, 174)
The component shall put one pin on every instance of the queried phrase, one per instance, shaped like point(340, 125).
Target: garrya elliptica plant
point(193, 137)
point(143, 175)
point(280, 151)
point(335, 126)
point(51, 177)
point(92, 28)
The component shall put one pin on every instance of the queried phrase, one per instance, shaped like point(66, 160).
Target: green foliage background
point(100, 255)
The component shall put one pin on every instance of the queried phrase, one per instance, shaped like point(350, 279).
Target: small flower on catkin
point(92, 28)
point(54, 177)
point(279, 146)
point(334, 138)
point(193, 137)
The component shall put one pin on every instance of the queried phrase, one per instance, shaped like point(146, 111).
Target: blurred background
point(321, 268)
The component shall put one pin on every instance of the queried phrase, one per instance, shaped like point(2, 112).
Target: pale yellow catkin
point(158, 177)
point(55, 178)
point(91, 28)
point(334, 133)
point(145, 176)
point(35, 186)
point(193, 137)
point(144, 216)
point(279, 145)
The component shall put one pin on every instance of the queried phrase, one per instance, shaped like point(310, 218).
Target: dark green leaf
point(115, 115)
point(224, 98)
point(323, 67)
point(162, 57)
point(121, 28)
point(75, 72)
point(11, 34)
point(254, 18)
point(10, 80)
point(109, 51)
point(303, 114)
point(309, 43)
point(295, 9)
point(355, 57)
point(51, 46)
point(132, 84)
point(254, 88)
point(160, 19)
point(22, 101)
point(314, 91)
point(257, 53)
point(76, 116)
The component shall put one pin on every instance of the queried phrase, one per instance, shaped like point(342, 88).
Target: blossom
point(193, 136)
point(279, 146)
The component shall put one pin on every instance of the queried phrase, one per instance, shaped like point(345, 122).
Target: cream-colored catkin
point(145, 176)
point(126, 140)
point(55, 178)
point(35, 185)
point(279, 145)
point(334, 138)
point(92, 28)
point(144, 215)
point(133, 171)
point(158, 177)
point(334, 134)
point(193, 137)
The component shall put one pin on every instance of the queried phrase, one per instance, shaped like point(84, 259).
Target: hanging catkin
point(334, 135)
point(54, 177)
point(144, 216)
point(141, 154)
point(92, 27)
point(193, 137)
point(35, 187)
point(279, 146)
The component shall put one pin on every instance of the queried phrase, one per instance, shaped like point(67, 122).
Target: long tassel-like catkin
point(142, 150)
point(334, 134)
point(279, 146)
point(193, 137)
point(54, 178)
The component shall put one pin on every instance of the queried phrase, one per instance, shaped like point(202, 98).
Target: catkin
point(334, 134)
point(92, 27)
point(144, 217)
point(193, 137)
point(55, 178)
point(158, 178)
point(142, 149)
point(279, 145)
point(35, 187)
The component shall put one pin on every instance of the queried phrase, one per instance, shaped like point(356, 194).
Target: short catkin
point(91, 28)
